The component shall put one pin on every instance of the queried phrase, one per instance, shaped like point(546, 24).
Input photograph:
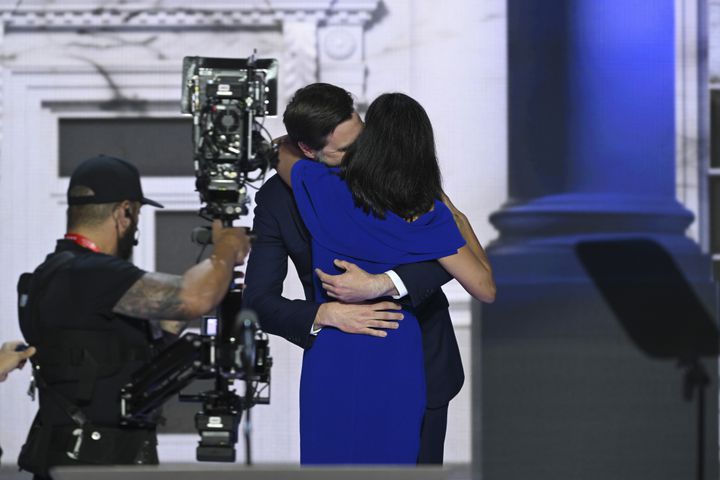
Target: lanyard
point(82, 241)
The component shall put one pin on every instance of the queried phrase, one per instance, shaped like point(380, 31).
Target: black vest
point(75, 356)
point(68, 366)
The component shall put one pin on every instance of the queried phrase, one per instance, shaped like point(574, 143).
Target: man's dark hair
point(91, 214)
point(315, 111)
point(392, 165)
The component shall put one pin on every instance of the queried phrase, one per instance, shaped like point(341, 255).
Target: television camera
point(231, 149)
point(226, 97)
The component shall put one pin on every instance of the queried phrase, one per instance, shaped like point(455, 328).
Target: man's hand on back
point(355, 284)
point(359, 318)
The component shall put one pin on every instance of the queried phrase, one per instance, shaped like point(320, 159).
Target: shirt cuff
point(314, 330)
point(399, 285)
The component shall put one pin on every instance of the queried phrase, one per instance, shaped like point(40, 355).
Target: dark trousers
point(432, 436)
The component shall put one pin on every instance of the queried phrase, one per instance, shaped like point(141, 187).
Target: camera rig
point(245, 355)
point(225, 97)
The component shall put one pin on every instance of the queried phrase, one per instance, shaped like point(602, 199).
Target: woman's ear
point(307, 151)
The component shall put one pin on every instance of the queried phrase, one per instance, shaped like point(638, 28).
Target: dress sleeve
point(329, 212)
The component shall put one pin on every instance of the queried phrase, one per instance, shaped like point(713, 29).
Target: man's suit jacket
point(280, 232)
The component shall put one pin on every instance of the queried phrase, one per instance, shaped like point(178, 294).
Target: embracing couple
point(360, 210)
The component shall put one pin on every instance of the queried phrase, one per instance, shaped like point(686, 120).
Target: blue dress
point(362, 398)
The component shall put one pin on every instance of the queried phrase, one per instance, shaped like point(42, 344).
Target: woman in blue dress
point(362, 398)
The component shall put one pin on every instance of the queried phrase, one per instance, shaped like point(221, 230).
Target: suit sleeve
point(266, 271)
point(422, 280)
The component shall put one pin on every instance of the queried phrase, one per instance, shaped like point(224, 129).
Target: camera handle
point(228, 312)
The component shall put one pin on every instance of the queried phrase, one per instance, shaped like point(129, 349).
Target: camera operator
point(94, 318)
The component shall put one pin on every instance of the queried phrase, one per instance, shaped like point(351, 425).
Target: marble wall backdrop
point(60, 59)
point(713, 38)
point(691, 107)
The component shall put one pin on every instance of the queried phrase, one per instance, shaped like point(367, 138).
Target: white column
point(299, 62)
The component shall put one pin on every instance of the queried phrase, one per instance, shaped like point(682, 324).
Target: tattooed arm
point(159, 296)
point(173, 326)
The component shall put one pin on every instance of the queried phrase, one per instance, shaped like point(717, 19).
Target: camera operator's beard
point(127, 242)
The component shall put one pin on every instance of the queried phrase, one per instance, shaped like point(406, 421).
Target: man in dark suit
point(322, 122)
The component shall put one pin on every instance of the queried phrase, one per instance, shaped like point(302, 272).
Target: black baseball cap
point(110, 179)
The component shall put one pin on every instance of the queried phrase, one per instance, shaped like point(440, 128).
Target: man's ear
point(122, 212)
point(307, 151)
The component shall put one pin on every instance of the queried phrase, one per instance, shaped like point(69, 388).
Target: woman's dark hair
point(392, 165)
point(315, 111)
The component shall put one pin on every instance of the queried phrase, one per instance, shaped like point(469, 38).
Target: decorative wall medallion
point(339, 44)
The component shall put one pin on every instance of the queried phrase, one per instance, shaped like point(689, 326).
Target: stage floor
point(259, 472)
